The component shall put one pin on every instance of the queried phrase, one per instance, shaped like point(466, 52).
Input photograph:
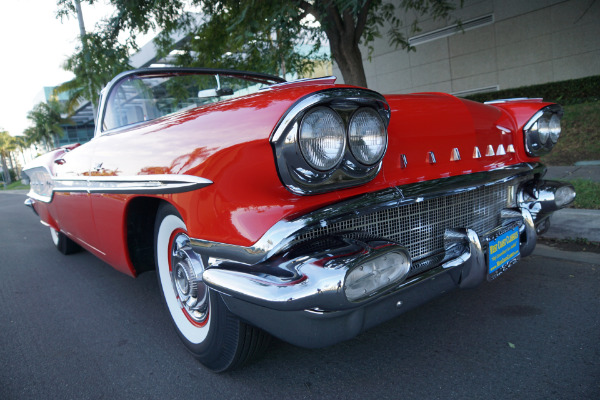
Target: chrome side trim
point(323, 80)
point(145, 184)
point(499, 101)
point(284, 232)
point(135, 184)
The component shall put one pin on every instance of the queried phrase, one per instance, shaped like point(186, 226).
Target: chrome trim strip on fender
point(155, 184)
point(133, 184)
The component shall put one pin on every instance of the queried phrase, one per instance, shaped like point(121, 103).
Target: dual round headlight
point(542, 131)
point(323, 137)
point(549, 128)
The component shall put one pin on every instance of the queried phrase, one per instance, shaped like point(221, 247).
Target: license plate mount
point(503, 252)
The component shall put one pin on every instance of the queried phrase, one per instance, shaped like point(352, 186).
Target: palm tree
point(47, 120)
point(22, 143)
point(7, 144)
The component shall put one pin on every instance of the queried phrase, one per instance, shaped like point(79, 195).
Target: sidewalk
point(571, 223)
point(590, 172)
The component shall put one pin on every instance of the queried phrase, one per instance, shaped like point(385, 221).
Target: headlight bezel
point(298, 175)
point(538, 143)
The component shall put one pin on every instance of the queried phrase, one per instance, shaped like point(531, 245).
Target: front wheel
point(63, 243)
point(207, 328)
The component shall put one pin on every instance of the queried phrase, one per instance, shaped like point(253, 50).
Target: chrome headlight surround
point(542, 131)
point(298, 170)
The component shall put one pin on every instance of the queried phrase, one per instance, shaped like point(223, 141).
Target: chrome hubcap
point(186, 276)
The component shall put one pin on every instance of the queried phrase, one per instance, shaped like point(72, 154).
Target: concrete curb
point(23, 192)
point(589, 172)
point(579, 256)
point(571, 223)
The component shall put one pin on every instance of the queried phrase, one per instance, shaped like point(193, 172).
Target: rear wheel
point(63, 243)
point(207, 328)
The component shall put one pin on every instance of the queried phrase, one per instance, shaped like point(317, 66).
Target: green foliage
point(257, 35)
point(231, 36)
point(17, 185)
point(7, 145)
point(47, 120)
point(572, 91)
point(580, 137)
point(588, 194)
point(105, 58)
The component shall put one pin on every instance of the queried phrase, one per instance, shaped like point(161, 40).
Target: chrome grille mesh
point(420, 226)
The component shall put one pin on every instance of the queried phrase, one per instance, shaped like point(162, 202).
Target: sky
point(33, 46)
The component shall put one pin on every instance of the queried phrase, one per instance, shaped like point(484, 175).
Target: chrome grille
point(420, 226)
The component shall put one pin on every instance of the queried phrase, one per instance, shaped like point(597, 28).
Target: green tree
point(47, 120)
point(107, 58)
point(231, 36)
point(7, 145)
point(22, 143)
point(258, 34)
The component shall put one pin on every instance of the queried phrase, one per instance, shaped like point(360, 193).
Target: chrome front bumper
point(296, 290)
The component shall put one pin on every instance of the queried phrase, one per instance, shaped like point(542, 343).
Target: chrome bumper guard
point(299, 297)
point(542, 198)
point(29, 202)
point(312, 275)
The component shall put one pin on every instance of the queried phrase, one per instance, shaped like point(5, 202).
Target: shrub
point(573, 91)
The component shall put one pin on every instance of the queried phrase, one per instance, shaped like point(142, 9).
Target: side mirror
point(224, 91)
point(202, 94)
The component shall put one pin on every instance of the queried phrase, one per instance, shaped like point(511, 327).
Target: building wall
point(529, 42)
point(75, 134)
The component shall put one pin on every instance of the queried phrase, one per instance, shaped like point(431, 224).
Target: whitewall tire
point(207, 328)
point(63, 243)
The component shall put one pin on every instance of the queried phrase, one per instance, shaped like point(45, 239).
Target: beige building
point(505, 44)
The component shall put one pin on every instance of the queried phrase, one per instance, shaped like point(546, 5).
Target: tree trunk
point(344, 29)
point(16, 167)
point(5, 171)
point(86, 54)
point(349, 60)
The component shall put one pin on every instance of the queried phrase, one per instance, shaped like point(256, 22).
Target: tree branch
point(334, 15)
point(362, 20)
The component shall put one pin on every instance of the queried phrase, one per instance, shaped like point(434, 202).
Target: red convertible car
point(305, 210)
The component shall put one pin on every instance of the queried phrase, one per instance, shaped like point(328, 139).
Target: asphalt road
point(73, 328)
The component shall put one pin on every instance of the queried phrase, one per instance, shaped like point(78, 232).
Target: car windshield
point(147, 96)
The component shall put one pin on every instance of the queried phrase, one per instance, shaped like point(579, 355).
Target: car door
point(71, 197)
